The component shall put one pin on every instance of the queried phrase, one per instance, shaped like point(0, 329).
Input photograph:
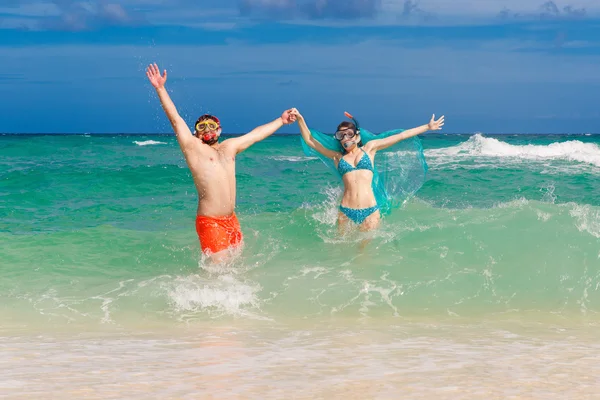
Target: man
point(213, 168)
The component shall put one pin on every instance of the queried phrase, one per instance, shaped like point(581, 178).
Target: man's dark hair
point(208, 116)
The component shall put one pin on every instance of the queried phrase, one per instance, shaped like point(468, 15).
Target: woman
point(365, 193)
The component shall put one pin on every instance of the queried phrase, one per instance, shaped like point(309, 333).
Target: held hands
point(296, 114)
point(435, 125)
point(153, 74)
point(288, 117)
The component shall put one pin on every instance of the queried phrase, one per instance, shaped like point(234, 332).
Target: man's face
point(208, 130)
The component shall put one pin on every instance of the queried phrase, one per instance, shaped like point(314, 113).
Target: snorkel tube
point(348, 115)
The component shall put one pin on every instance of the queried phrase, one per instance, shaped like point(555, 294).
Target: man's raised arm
point(182, 131)
point(261, 132)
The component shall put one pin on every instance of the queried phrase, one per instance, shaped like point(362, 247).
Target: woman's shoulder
point(369, 149)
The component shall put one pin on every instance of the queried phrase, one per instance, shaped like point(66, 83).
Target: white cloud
point(487, 7)
point(417, 11)
point(227, 14)
point(66, 14)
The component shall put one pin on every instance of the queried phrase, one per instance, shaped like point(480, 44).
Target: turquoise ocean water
point(97, 235)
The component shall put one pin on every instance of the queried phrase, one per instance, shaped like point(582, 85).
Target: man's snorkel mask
point(208, 129)
point(343, 133)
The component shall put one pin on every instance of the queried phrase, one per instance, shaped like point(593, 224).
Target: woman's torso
point(357, 175)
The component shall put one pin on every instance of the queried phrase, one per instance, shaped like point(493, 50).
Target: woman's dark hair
point(346, 125)
point(349, 125)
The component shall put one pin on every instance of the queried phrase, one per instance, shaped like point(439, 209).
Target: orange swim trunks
point(218, 233)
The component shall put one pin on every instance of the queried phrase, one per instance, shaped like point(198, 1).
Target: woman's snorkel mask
point(208, 127)
point(343, 133)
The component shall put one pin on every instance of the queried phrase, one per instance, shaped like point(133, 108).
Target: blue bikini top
point(364, 163)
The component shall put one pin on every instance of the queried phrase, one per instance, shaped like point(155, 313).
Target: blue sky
point(492, 66)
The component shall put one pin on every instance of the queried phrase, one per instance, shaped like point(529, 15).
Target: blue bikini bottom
point(358, 215)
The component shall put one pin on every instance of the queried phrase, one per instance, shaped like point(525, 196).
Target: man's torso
point(213, 170)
